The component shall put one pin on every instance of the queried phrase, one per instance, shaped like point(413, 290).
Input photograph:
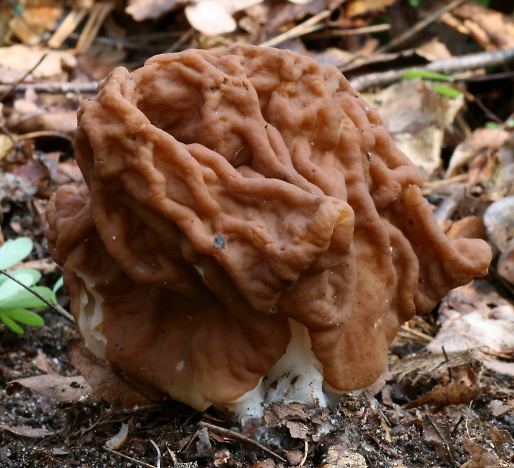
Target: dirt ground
point(363, 430)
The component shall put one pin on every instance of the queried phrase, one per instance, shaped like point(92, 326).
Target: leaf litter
point(448, 399)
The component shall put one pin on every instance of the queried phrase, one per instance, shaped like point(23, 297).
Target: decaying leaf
point(462, 389)
point(25, 431)
point(64, 389)
point(418, 125)
point(481, 458)
point(113, 387)
point(438, 433)
point(277, 414)
point(338, 457)
point(142, 10)
point(297, 430)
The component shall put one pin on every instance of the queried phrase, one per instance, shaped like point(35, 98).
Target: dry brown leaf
point(438, 433)
point(142, 10)
point(470, 227)
point(361, 7)
point(490, 28)
point(461, 390)
point(63, 389)
point(25, 431)
point(481, 458)
point(110, 385)
point(482, 139)
point(297, 430)
point(213, 17)
point(338, 457)
point(418, 125)
point(277, 414)
point(55, 62)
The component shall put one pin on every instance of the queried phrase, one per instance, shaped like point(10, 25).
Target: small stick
point(13, 86)
point(236, 435)
point(158, 453)
point(305, 453)
point(446, 66)
point(418, 27)
point(128, 458)
point(297, 30)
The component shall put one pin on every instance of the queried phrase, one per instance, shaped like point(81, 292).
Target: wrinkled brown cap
point(230, 190)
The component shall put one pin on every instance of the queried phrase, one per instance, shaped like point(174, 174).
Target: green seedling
point(15, 299)
point(440, 88)
point(426, 75)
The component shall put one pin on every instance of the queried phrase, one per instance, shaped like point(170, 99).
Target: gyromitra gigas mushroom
point(239, 201)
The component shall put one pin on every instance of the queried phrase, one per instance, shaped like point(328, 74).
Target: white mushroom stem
point(296, 377)
point(91, 317)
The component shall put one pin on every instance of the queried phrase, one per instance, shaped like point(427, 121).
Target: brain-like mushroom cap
point(230, 191)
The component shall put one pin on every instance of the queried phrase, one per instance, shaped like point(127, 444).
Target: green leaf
point(11, 324)
point(26, 299)
point(27, 276)
point(492, 125)
point(24, 316)
point(426, 75)
point(447, 91)
point(58, 285)
point(13, 251)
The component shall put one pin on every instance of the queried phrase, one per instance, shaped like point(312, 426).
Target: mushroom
point(249, 231)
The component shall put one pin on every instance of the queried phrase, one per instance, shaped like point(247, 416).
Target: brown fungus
point(238, 197)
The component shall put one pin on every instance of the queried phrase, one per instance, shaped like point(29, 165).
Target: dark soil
point(376, 427)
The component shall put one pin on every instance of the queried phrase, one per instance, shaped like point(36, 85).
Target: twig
point(54, 87)
point(446, 66)
point(305, 452)
point(12, 86)
point(59, 310)
point(158, 453)
point(236, 435)
point(142, 463)
point(418, 27)
point(297, 30)
point(14, 141)
point(45, 133)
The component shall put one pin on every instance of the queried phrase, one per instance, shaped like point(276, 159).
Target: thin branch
point(299, 30)
point(13, 86)
point(236, 435)
point(54, 87)
point(446, 66)
point(142, 463)
point(59, 310)
point(418, 27)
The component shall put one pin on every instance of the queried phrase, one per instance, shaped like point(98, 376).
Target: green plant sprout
point(440, 88)
point(15, 299)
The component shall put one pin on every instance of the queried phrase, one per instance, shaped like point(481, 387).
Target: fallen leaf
point(25, 431)
point(481, 458)
point(64, 389)
point(418, 125)
point(142, 10)
point(462, 389)
point(474, 331)
point(277, 414)
point(482, 139)
point(297, 430)
point(337, 457)
point(213, 17)
point(438, 433)
point(54, 63)
point(114, 387)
